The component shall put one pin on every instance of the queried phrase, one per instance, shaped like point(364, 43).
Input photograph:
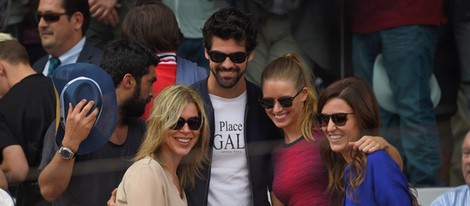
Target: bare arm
point(275, 201)
point(112, 199)
point(14, 166)
point(3, 181)
point(55, 177)
point(369, 144)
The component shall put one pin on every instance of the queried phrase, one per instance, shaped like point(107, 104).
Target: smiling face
point(287, 118)
point(179, 143)
point(227, 74)
point(466, 159)
point(340, 136)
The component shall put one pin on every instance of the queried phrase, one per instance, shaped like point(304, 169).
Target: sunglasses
point(194, 123)
point(51, 17)
point(339, 119)
point(219, 57)
point(285, 102)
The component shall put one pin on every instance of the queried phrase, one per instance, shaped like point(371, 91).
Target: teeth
point(280, 116)
point(183, 140)
point(335, 137)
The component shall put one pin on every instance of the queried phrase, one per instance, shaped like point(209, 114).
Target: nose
point(185, 128)
point(331, 126)
point(277, 107)
point(41, 23)
point(227, 63)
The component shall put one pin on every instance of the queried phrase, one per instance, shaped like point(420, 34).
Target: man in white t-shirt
point(242, 135)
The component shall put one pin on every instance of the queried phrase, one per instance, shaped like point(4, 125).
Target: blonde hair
point(289, 68)
point(166, 110)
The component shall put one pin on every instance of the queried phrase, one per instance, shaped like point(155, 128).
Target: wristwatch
point(66, 153)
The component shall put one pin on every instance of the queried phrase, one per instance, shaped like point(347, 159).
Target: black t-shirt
point(26, 111)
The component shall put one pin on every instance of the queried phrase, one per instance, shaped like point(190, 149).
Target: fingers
point(79, 123)
point(370, 144)
point(112, 19)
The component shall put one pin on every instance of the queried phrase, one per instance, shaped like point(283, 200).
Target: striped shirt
point(460, 196)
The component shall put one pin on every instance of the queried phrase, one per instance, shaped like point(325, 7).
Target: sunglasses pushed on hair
point(49, 17)
point(194, 123)
point(219, 57)
point(268, 103)
point(339, 119)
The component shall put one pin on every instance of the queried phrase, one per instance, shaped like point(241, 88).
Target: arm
point(275, 201)
point(112, 199)
point(55, 177)
point(370, 144)
point(14, 166)
point(3, 181)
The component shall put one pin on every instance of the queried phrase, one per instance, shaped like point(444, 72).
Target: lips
point(334, 137)
point(280, 116)
point(183, 140)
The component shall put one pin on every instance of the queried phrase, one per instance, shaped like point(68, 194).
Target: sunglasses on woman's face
point(339, 119)
point(50, 17)
point(268, 103)
point(194, 123)
point(219, 57)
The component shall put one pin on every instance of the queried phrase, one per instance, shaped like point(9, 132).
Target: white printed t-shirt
point(229, 182)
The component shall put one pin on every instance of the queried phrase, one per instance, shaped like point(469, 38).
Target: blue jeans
point(408, 54)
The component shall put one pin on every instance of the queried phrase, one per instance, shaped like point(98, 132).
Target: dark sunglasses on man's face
point(339, 119)
point(194, 123)
point(50, 17)
point(219, 57)
point(268, 103)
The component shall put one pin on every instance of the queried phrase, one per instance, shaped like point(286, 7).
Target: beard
point(134, 106)
point(227, 82)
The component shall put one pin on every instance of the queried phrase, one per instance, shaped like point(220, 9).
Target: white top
point(146, 183)
point(229, 182)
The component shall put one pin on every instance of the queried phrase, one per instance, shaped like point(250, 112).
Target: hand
point(78, 124)
point(370, 144)
point(112, 19)
point(112, 199)
point(100, 8)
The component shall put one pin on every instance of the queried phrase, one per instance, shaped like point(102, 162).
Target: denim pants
point(408, 54)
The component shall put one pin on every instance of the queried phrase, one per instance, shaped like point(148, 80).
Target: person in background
point(290, 100)
point(405, 32)
point(89, 178)
point(191, 16)
point(172, 152)
point(349, 110)
point(106, 21)
point(459, 195)
point(27, 108)
point(62, 27)
point(153, 24)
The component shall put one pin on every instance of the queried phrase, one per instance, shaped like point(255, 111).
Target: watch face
point(66, 153)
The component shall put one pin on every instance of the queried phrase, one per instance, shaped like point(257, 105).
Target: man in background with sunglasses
point(62, 25)
point(242, 135)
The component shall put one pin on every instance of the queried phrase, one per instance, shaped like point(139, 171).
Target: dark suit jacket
point(89, 54)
